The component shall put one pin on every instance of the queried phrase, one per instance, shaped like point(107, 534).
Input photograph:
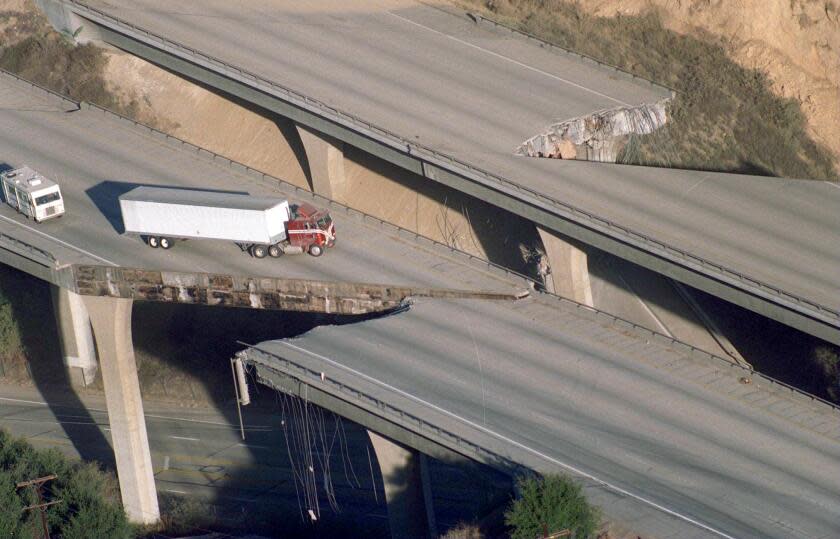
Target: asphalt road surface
point(544, 369)
point(600, 402)
point(475, 93)
point(198, 454)
point(95, 157)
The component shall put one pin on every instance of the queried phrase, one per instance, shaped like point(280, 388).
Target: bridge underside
point(689, 270)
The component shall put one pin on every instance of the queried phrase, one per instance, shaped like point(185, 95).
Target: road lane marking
point(265, 428)
point(505, 439)
point(166, 462)
point(21, 401)
point(184, 438)
point(205, 422)
point(251, 446)
point(174, 491)
point(511, 60)
point(53, 238)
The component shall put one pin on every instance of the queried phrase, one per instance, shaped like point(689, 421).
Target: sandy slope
point(797, 42)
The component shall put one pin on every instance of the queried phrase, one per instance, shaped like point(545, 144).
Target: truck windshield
point(46, 199)
point(324, 223)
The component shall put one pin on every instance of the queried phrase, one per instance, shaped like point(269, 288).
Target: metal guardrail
point(40, 87)
point(595, 312)
point(479, 18)
point(425, 428)
point(28, 247)
point(462, 168)
point(386, 410)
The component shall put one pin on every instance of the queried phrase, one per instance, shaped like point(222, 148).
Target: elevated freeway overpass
point(681, 444)
point(95, 155)
point(451, 101)
point(98, 272)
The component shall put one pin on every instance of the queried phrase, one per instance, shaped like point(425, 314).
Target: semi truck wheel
point(316, 250)
point(153, 242)
point(259, 251)
point(165, 243)
point(274, 251)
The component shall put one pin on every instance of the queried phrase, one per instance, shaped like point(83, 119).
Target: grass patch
point(725, 117)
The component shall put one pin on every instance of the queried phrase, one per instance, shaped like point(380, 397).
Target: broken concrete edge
point(274, 293)
point(597, 136)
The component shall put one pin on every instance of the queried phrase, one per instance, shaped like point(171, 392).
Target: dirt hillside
point(271, 144)
point(797, 42)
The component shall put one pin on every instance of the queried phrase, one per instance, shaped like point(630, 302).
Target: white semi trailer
point(32, 194)
point(261, 225)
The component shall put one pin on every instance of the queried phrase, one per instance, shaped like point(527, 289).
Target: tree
point(88, 506)
point(553, 502)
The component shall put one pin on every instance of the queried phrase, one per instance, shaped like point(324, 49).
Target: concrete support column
point(407, 489)
point(111, 320)
point(325, 156)
point(568, 261)
point(64, 20)
point(76, 336)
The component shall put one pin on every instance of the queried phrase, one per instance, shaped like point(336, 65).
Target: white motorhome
point(32, 194)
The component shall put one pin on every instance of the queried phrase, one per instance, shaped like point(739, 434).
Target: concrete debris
point(598, 136)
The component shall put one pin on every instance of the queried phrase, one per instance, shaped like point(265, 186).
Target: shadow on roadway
point(30, 302)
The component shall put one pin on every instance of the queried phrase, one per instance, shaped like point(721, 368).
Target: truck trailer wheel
point(259, 251)
point(274, 251)
point(316, 250)
point(165, 243)
point(153, 241)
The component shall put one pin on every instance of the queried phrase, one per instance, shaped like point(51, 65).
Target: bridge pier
point(111, 321)
point(407, 489)
point(64, 19)
point(325, 156)
point(568, 261)
point(76, 336)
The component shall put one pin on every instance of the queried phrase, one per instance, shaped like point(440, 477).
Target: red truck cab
point(311, 229)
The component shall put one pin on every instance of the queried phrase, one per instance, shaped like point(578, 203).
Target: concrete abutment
point(111, 321)
point(407, 489)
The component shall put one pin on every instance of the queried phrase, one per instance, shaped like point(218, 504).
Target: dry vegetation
point(30, 48)
point(725, 118)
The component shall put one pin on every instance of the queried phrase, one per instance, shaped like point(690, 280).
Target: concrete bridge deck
point(643, 423)
point(95, 156)
point(452, 100)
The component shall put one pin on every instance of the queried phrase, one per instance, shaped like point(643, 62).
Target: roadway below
point(474, 93)
point(198, 455)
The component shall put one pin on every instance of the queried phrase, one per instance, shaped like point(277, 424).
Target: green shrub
point(554, 502)
point(88, 506)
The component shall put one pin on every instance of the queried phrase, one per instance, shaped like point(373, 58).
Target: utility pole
point(38, 484)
